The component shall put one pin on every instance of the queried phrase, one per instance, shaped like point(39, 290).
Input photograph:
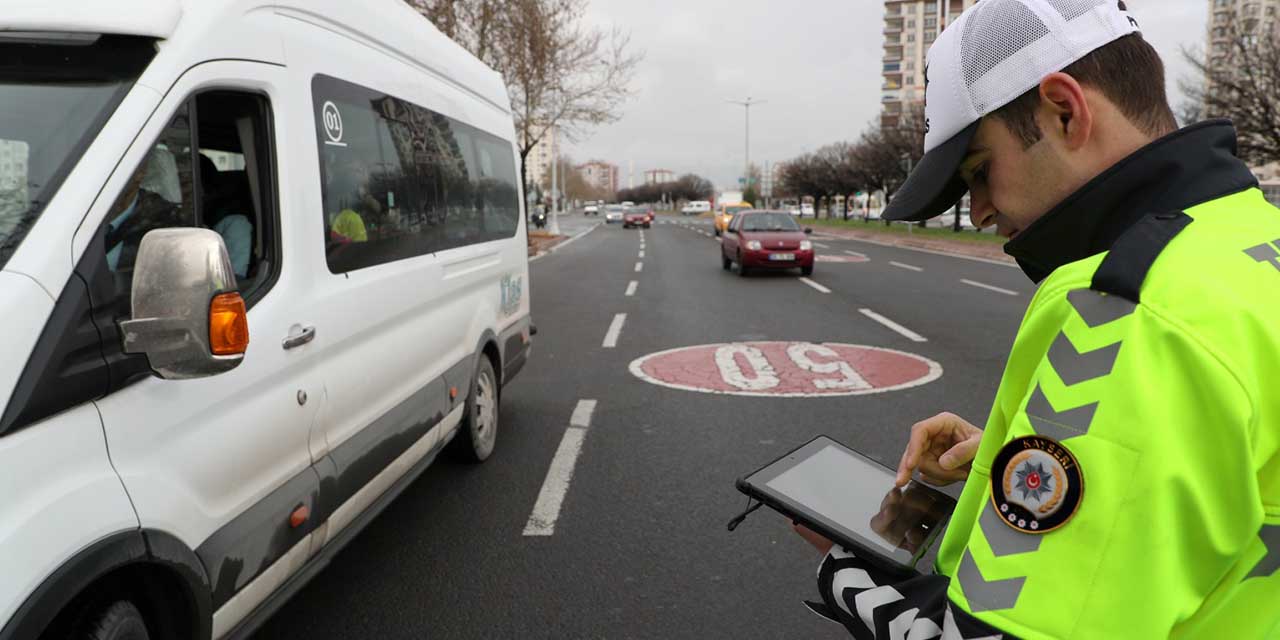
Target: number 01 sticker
point(786, 369)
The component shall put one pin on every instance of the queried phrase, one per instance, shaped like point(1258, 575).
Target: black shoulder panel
point(1125, 268)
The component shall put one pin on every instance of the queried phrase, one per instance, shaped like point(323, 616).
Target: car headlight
point(754, 245)
point(806, 245)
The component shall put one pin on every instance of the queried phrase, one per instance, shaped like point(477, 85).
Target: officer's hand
point(941, 449)
point(819, 542)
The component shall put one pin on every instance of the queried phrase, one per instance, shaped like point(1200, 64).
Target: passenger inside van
point(226, 198)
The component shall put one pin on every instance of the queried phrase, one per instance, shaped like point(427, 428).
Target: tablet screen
point(858, 495)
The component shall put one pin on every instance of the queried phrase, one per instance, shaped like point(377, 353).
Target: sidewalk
point(541, 242)
point(988, 251)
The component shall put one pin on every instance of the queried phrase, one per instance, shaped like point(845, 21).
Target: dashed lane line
point(857, 255)
point(631, 288)
point(908, 267)
point(546, 511)
point(820, 288)
point(989, 287)
point(641, 254)
point(821, 246)
point(901, 330)
point(615, 330)
point(639, 267)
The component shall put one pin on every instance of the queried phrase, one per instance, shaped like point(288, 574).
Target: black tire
point(119, 621)
point(742, 268)
point(725, 262)
point(806, 271)
point(478, 432)
point(717, 233)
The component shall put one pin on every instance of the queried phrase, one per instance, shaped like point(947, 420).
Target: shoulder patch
point(1036, 484)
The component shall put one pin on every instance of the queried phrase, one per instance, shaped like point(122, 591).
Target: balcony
point(893, 67)
point(891, 96)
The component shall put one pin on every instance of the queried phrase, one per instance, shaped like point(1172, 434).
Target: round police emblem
point(1036, 484)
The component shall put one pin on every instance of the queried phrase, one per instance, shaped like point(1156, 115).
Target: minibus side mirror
point(188, 317)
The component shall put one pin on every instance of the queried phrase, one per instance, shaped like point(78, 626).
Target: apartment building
point(910, 27)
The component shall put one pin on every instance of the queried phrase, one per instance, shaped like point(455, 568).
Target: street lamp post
point(748, 103)
point(555, 196)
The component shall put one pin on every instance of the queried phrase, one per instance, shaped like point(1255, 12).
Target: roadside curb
point(942, 248)
point(557, 246)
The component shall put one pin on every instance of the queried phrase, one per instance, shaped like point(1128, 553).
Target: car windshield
point(56, 92)
point(769, 222)
point(735, 210)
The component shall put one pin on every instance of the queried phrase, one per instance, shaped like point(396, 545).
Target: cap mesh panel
point(998, 30)
point(1072, 9)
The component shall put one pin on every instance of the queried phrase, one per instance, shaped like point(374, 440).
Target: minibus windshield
point(56, 92)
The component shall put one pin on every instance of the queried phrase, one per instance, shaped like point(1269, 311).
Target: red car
point(766, 240)
point(635, 218)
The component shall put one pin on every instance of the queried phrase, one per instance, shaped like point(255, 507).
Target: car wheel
point(742, 268)
point(479, 431)
point(725, 262)
point(806, 271)
point(119, 621)
point(717, 233)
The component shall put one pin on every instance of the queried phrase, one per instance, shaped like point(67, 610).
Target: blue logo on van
point(512, 294)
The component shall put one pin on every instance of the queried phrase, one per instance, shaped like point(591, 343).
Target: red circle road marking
point(786, 369)
point(828, 258)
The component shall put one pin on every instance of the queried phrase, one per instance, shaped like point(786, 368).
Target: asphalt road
point(639, 547)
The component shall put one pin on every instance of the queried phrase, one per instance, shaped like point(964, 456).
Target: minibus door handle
point(299, 336)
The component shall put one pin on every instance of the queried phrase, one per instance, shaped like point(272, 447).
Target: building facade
point(910, 27)
point(601, 175)
point(659, 176)
point(541, 157)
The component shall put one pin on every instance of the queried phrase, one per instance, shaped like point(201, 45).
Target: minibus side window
point(399, 180)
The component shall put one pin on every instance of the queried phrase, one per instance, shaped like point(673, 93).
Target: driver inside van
point(149, 201)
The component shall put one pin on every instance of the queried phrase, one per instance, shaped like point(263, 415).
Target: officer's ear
point(1064, 113)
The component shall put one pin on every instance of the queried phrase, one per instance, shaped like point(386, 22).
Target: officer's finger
point(922, 434)
point(961, 454)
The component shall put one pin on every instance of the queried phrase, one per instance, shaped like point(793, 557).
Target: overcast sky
point(815, 62)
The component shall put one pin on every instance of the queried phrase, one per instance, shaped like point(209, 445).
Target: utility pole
point(747, 104)
point(555, 200)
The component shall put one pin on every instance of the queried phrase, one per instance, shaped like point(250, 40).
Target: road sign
point(786, 369)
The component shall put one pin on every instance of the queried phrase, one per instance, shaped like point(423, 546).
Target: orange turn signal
point(228, 325)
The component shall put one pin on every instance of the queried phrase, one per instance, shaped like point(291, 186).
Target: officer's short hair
point(1127, 71)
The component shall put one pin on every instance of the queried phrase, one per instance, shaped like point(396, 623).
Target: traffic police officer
point(1127, 483)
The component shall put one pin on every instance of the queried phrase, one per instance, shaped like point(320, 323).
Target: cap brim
point(934, 186)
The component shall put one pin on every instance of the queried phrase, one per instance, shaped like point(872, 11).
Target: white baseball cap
point(990, 55)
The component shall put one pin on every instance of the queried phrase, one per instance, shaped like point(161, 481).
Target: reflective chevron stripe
point(1003, 539)
point(983, 594)
point(1097, 308)
point(1075, 367)
point(1269, 563)
point(1058, 425)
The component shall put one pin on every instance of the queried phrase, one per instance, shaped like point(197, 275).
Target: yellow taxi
point(726, 213)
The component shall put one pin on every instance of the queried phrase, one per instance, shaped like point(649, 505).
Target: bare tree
point(559, 73)
point(1240, 80)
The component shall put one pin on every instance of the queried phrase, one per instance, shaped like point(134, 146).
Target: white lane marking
point(615, 329)
point(815, 285)
point(909, 267)
point(631, 288)
point(819, 244)
point(639, 267)
point(857, 255)
point(642, 255)
point(546, 511)
point(582, 414)
point(901, 330)
point(1001, 263)
point(989, 287)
